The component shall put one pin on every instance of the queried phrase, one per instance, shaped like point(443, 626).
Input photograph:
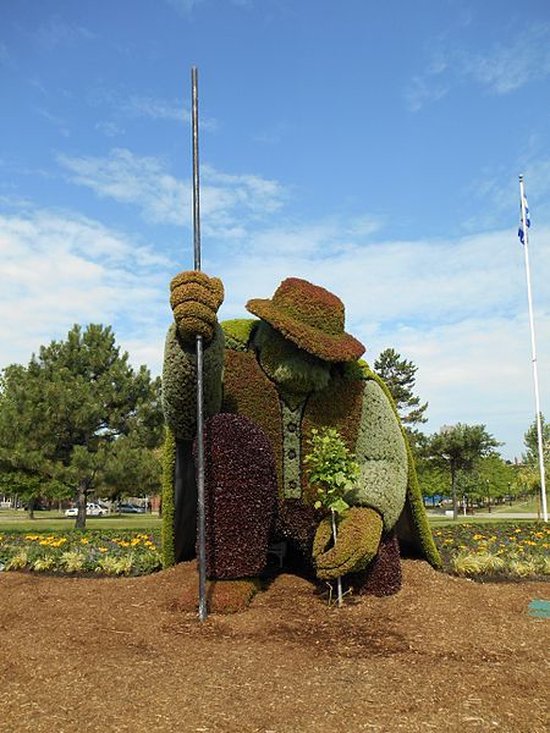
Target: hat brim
point(342, 347)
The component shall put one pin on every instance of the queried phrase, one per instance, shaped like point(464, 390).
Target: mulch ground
point(444, 654)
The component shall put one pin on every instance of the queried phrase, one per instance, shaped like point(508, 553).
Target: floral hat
point(311, 317)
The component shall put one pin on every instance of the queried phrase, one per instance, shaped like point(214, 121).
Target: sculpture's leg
point(241, 491)
point(383, 576)
point(185, 502)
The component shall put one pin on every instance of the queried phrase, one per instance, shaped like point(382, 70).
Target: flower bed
point(93, 551)
point(499, 551)
point(507, 550)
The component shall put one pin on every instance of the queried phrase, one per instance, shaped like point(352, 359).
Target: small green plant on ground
point(332, 470)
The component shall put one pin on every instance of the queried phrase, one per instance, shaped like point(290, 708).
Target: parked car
point(130, 509)
point(92, 510)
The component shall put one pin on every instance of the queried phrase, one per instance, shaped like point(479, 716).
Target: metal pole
point(533, 349)
point(201, 540)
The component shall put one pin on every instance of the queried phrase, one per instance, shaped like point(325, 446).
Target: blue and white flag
point(521, 233)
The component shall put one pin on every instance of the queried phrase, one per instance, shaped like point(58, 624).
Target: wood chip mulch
point(444, 654)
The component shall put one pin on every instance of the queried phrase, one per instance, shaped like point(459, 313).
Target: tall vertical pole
point(201, 539)
point(533, 348)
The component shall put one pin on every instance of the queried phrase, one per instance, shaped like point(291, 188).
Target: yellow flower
point(517, 530)
point(478, 537)
point(32, 536)
point(102, 549)
point(84, 541)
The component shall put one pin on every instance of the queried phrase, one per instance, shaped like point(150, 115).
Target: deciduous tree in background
point(458, 448)
point(79, 414)
point(530, 440)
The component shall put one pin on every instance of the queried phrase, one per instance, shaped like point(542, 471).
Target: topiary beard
point(291, 368)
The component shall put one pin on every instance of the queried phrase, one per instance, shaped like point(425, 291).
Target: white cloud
point(228, 201)
point(57, 269)
point(456, 308)
point(424, 89)
point(131, 179)
point(184, 6)
point(512, 64)
point(57, 32)
point(54, 120)
point(479, 371)
point(155, 108)
point(109, 128)
point(508, 65)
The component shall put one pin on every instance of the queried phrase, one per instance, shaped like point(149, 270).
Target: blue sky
point(373, 148)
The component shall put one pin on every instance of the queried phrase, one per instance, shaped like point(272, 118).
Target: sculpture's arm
point(195, 299)
point(382, 456)
point(377, 497)
point(179, 382)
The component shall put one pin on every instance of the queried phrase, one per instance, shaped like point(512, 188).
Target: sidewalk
point(487, 515)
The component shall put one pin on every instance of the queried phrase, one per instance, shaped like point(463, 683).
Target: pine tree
point(400, 377)
point(76, 411)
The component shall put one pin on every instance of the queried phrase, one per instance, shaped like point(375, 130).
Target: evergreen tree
point(400, 377)
point(69, 414)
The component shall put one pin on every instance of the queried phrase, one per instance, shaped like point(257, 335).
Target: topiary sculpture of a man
point(268, 383)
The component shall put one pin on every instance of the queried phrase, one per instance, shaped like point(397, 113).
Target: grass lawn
point(530, 505)
point(53, 521)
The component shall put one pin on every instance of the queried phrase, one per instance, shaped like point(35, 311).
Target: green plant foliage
point(179, 376)
point(249, 392)
point(195, 299)
point(413, 527)
point(359, 532)
point(239, 332)
point(400, 376)
point(382, 454)
point(94, 551)
point(500, 550)
point(294, 370)
point(331, 468)
point(168, 499)
point(311, 317)
point(62, 416)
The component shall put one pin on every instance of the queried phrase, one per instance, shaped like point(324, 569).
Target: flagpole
point(201, 540)
point(533, 348)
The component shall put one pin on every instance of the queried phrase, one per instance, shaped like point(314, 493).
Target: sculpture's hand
point(357, 541)
point(195, 299)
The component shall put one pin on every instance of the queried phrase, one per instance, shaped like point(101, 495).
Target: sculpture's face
point(292, 369)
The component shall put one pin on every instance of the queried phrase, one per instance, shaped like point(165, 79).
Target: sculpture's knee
point(383, 576)
point(240, 496)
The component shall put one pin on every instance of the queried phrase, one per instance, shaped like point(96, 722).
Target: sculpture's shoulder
point(359, 371)
point(238, 332)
